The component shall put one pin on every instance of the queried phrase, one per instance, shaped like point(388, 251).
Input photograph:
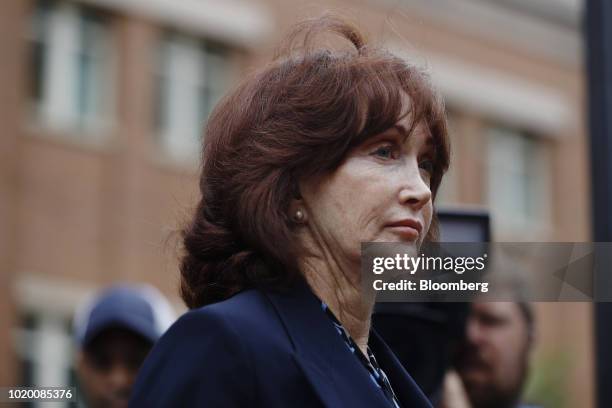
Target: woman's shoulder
point(251, 300)
point(241, 316)
point(196, 357)
point(247, 305)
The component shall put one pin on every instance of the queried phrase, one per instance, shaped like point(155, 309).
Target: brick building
point(103, 104)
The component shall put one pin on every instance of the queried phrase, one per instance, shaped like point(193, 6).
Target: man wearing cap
point(114, 332)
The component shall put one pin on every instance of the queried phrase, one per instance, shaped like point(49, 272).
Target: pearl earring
point(299, 216)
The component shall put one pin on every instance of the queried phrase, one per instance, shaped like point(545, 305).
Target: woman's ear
point(297, 212)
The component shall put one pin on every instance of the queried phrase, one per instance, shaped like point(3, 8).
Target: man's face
point(107, 367)
point(493, 361)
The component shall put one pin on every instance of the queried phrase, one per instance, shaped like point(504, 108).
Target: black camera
point(423, 335)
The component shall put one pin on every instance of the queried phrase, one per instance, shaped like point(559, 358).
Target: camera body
point(424, 335)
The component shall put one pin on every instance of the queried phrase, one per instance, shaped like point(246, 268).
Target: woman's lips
point(409, 229)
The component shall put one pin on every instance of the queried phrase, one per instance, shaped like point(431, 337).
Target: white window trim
point(56, 114)
point(510, 26)
point(56, 296)
point(517, 227)
point(183, 76)
point(238, 22)
point(186, 66)
point(495, 94)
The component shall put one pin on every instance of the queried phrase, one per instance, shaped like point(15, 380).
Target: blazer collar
point(332, 369)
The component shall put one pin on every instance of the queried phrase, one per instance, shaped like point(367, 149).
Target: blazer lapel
point(334, 372)
point(406, 390)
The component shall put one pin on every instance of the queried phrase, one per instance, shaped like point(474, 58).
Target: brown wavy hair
point(296, 118)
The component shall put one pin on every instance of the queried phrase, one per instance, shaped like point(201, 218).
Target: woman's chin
point(410, 247)
point(399, 236)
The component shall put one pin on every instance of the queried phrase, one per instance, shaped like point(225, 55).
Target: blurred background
point(103, 103)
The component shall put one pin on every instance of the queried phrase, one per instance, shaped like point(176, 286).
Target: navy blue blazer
point(265, 349)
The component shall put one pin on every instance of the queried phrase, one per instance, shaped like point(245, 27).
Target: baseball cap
point(141, 309)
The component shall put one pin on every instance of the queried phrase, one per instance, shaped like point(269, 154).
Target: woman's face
point(380, 193)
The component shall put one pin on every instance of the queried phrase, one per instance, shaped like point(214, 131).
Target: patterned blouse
point(377, 375)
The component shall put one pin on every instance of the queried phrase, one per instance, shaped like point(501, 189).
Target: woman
point(320, 151)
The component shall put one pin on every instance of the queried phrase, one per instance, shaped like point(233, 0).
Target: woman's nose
point(415, 190)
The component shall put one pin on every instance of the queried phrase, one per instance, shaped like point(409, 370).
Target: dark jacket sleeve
point(200, 362)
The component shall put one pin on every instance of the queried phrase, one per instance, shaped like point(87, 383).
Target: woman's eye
point(386, 152)
point(427, 165)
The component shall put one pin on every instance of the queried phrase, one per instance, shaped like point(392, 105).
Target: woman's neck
point(341, 290)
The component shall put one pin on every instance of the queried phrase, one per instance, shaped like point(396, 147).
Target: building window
point(71, 79)
point(192, 77)
point(45, 349)
point(519, 183)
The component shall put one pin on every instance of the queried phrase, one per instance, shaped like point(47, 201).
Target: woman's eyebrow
point(404, 133)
